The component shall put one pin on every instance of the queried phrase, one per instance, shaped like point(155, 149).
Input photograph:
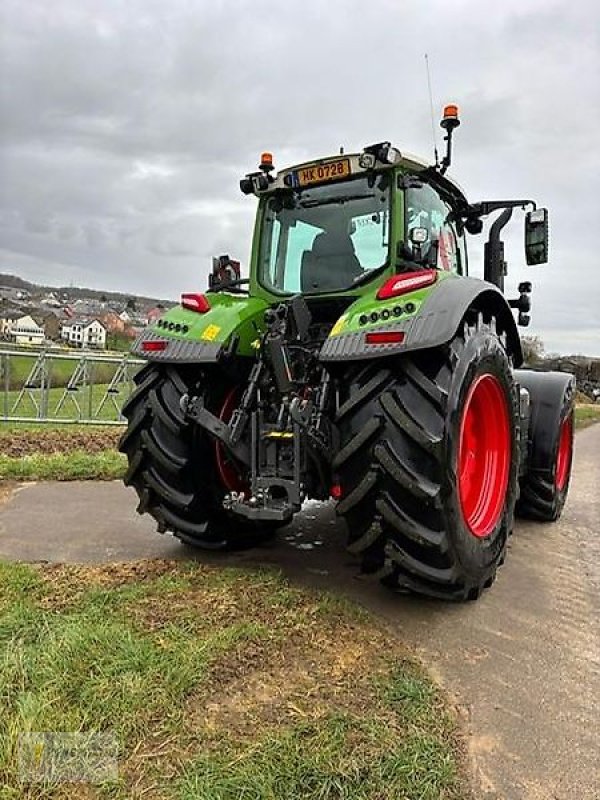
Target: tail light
point(408, 282)
point(195, 302)
point(154, 346)
point(384, 337)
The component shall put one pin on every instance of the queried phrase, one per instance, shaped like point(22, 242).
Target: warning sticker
point(210, 333)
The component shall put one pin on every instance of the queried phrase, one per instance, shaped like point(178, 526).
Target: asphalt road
point(523, 663)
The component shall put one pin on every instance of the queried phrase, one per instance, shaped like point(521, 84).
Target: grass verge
point(586, 415)
point(64, 439)
point(35, 426)
point(77, 465)
point(220, 684)
point(63, 453)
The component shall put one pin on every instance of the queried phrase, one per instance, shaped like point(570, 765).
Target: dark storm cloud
point(125, 127)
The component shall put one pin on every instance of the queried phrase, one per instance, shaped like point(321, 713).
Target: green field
point(20, 366)
point(89, 400)
point(15, 369)
point(217, 684)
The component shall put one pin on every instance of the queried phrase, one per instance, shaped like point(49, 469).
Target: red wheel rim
point(484, 455)
point(226, 467)
point(565, 451)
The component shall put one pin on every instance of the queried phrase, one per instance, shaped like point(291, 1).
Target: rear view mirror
point(536, 236)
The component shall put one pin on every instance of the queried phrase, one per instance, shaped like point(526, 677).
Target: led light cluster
point(172, 326)
point(387, 313)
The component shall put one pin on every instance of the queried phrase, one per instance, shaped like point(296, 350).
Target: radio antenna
point(435, 151)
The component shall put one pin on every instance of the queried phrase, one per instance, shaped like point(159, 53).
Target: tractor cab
point(337, 224)
point(325, 238)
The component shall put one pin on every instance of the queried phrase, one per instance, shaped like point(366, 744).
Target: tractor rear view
point(358, 362)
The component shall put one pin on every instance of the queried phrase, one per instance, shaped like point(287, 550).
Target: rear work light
point(408, 282)
point(385, 337)
point(195, 302)
point(154, 346)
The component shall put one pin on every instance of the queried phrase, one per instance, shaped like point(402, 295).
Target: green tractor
point(358, 362)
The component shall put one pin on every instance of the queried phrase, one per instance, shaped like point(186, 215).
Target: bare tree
point(533, 349)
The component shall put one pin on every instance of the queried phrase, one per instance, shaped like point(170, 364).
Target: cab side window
point(426, 209)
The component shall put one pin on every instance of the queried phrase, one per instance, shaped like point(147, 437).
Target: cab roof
point(407, 162)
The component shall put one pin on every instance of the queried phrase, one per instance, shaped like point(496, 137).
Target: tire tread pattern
point(392, 466)
point(170, 470)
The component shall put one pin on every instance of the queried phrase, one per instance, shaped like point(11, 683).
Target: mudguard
point(232, 323)
point(427, 317)
point(551, 395)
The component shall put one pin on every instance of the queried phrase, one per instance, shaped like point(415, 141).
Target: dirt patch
point(295, 679)
point(117, 574)
point(66, 583)
point(33, 442)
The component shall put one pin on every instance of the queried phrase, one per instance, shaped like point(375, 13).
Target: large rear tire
point(178, 472)
point(428, 464)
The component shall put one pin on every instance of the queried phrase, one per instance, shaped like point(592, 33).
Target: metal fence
point(53, 386)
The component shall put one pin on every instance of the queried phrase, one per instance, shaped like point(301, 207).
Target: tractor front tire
point(428, 464)
point(172, 463)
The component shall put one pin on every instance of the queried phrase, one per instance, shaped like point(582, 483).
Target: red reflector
point(195, 302)
point(385, 337)
point(154, 345)
point(401, 284)
point(336, 491)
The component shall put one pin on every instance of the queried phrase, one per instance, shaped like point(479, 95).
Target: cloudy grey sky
point(125, 127)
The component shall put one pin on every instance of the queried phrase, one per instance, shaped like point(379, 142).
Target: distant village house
point(7, 319)
point(50, 299)
point(112, 322)
point(79, 332)
point(25, 330)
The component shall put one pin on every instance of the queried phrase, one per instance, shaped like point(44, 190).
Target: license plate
point(321, 173)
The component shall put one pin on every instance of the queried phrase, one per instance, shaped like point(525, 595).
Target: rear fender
point(191, 337)
point(428, 318)
point(551, 396)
